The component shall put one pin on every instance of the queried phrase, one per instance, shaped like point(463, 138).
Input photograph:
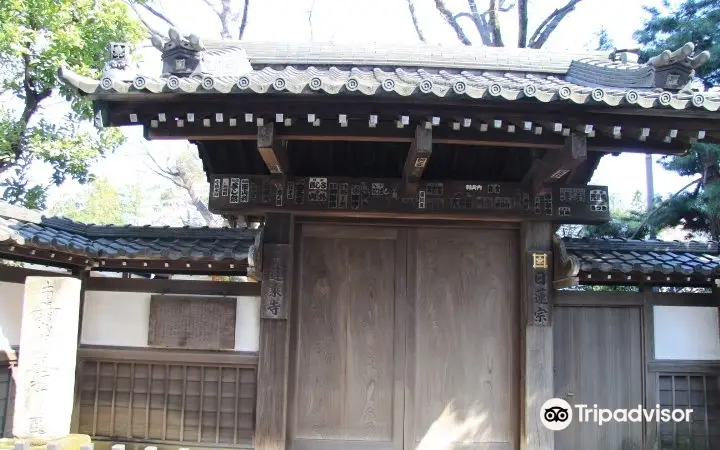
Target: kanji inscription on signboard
point(539, 270)
point(275, 281)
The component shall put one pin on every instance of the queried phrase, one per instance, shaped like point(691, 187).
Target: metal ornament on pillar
point(45, 381)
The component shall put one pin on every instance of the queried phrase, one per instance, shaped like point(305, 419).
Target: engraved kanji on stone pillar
point(46, 369)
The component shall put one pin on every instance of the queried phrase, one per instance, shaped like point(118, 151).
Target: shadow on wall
point(449, 430)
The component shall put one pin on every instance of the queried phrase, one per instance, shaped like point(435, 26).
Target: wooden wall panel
point(166, 403)
point(463, 347)
point(344, 355)
point(598, 360)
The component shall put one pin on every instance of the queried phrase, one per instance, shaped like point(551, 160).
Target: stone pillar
point(45, 380)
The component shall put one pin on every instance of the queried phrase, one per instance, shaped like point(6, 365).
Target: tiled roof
point(645, 257)
point(29, 229)
point(463, 72)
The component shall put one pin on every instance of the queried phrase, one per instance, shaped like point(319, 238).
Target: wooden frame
point(107, 353)
point(11, 274)
point(163, 286)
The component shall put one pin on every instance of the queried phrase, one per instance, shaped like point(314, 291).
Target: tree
point(232, 15)
point(36, 38)
point(627, 222)
point(184, 171)
point(101, 203)
point(487, 23)
point(698, 210)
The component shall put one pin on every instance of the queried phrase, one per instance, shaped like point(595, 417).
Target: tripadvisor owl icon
point(556, 414)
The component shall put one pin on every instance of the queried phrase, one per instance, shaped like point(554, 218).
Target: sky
point(386, 22)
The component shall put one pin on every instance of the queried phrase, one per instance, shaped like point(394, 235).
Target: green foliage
point(604, 40)
point(693, 21)
point(101, 203)
point(694, 209)
point(36, 38)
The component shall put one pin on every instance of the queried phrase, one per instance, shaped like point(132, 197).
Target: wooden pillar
point(46, 369)
point(83, 275)
point(272, 377)
point(651, 378)
point(536, 333)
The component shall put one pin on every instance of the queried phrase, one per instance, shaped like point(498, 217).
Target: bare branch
point(418, 30)
point(225, 16)
point(522, 23)
point(551, 22)
point(157, 14)
point(449, 18)
point(213, 6)
point(243, 20)
point(479, 21)
point(494, 23)
point(151, 29)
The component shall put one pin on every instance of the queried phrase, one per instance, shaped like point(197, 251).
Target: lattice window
point(702, 394)
point(167, 402)
point(7, 401)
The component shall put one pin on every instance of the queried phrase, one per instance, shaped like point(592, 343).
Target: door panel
point(393, 326)
point(598, 360)
point(345, 332)
point(463, 338)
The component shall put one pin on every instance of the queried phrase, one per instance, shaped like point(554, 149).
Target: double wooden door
point(404, 339)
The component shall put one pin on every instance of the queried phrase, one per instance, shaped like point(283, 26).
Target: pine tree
point(698, 209)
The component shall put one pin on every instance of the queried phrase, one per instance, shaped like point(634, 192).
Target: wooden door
point(598, 360)
point(462, 339)
point(348, 345)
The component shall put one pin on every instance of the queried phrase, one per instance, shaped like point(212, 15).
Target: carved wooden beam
point(418, 156)
point(271, 149)
point(386, 197)
point(556, 164)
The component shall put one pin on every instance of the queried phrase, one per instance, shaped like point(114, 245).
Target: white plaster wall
point(116, 318)
point(121, 319)
point(11, 304)
point(686, 332)
point(247, 324)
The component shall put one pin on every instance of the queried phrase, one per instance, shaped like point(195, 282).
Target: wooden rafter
point(555, 165)
point(478, 134)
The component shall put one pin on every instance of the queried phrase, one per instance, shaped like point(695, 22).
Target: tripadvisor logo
point(556, 414)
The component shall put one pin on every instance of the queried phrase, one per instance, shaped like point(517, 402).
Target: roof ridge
point(90, 230)
point(10, 211)
point(654, 245)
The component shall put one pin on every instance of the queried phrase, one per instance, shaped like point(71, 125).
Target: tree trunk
point(495, 23)
point(522, 23)
point(711, 182)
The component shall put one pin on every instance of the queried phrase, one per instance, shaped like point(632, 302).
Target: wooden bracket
point(556, 164)
point(271, 149)
point(418, 156)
